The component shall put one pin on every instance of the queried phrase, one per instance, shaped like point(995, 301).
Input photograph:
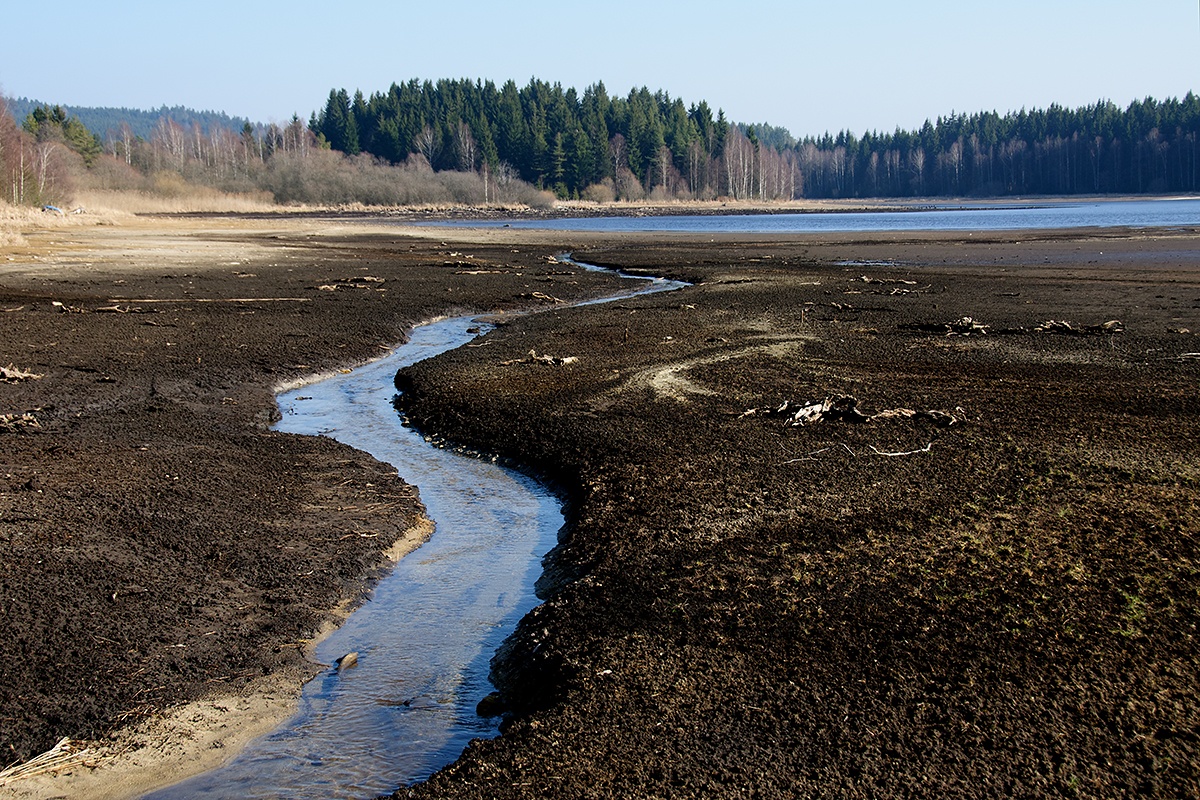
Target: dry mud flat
point(1001, 606)
point(1005, 606)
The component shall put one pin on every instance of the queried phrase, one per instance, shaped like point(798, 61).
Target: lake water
point(969, 216)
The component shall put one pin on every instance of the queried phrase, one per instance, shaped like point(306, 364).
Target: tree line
point(1148, 147)
point(577, 145)
point(598, 146)
point(474, 142)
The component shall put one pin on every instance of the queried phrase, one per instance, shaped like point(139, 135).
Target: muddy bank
point(743, 607)
point(1002, 606)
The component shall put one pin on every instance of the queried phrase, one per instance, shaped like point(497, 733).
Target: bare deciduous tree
point(428, 145)
point(464, 143)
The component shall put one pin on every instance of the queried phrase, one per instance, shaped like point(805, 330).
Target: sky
point(810, 67)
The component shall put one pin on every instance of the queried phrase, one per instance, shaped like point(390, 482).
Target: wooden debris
point(533, 358)
point(119, 309)
point(543, 297)
point(963, 326)
point(844, 408)
point(869, 279)
point(11, 374)
point(1062, 326)
point(356, 282)
point(967, 326)
point(18, 423)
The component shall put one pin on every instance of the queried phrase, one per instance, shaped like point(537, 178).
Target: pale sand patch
point(170, 747)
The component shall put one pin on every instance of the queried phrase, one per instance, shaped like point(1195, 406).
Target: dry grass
point(65, 755)
point(167, 195)
point(167, 199)
point(17, 221)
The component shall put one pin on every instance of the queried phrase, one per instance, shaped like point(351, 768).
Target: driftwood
point(968, 326)
point(533, 358)
point(19, 423)
point(869, 279)
point(542, 297)
point(11, 374)
point(844, 408)
point(1062, 326)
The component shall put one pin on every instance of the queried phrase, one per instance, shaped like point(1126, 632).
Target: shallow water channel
point(426, 636)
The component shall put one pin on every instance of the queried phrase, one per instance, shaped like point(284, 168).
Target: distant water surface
point(971, 216)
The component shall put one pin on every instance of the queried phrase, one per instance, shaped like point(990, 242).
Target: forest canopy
point(592, 144)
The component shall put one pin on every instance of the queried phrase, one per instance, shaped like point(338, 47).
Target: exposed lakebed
point(425, 639)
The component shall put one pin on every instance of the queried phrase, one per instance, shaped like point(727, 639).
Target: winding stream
point(427, 635)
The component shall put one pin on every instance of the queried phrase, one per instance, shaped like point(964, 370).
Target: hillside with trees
point(473, 142)
point(106, 121)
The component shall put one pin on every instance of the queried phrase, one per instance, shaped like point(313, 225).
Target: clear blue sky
point(808, 66)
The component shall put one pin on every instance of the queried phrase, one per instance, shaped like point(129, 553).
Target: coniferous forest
point(652, 144)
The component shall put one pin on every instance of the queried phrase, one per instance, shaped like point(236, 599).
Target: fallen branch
point(11, 374)
point(18, 423)
point(534, 358)
point(844, 408)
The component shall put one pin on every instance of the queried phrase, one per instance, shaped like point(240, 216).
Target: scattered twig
point(879, 452)
point(809, 455)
